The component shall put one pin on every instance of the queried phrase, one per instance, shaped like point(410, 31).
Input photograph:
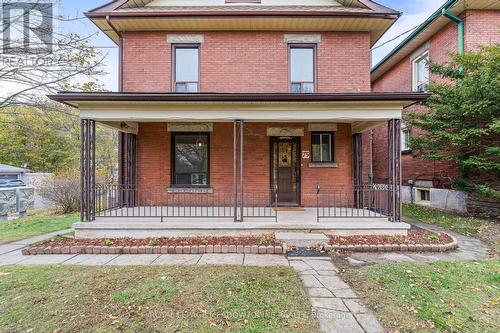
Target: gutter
point(235, 97)
point(120, 53)
point(437, 14)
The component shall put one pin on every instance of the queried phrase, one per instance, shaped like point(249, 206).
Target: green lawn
point(439, 297)
point(469, 226)
point(153, 299)
point(38, 224)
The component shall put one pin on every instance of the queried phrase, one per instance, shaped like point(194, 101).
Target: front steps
point(301, 239)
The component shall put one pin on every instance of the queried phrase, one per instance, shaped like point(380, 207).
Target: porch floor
point(143, 225)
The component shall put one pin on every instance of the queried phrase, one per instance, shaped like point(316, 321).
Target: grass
point(38, 224)
point(459, 296)
point(465, 225)
point(153, 299)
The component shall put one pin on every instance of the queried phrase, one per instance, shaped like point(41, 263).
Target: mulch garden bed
point(164, 241)
point(418, 240)
point(264, 244)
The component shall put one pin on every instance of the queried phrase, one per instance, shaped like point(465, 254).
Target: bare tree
point(42, 59)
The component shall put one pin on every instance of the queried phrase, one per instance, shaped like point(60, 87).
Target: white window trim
point(404, 129)
point(415, 61)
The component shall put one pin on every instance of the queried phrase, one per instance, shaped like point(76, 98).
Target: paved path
point(17, 245)
point(337, 307)
point(469, 249)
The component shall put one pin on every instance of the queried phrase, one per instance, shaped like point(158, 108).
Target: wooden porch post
point(87, 170)
point(394, 170)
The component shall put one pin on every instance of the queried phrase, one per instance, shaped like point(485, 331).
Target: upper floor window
point(421, 72)
point(302, 68)
point(187, 66)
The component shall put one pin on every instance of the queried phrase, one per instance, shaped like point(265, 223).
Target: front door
point(285, 169)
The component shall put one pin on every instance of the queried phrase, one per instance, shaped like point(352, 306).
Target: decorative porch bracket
point(87, 170)
point(358, 169)
point(127, 169)
point(394, 170)
point(238, 127)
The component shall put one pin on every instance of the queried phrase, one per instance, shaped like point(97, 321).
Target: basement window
point(423, 196)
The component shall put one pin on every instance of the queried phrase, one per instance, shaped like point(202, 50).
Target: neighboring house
point(8, 172)
point(406, 69)
point(236, 110)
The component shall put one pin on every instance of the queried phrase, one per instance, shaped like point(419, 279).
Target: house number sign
point(306, 154)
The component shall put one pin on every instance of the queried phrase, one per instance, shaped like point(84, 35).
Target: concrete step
point(301, 239)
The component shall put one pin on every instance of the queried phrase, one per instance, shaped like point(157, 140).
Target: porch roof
point(363, 110)
point(76, 98)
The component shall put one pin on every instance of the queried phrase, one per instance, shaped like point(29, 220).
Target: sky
point(414, 13)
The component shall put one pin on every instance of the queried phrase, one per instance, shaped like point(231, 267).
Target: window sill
point(406, 152)
point(195, 190)
point(323, 165)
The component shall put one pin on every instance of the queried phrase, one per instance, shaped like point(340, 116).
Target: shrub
point(63, 191)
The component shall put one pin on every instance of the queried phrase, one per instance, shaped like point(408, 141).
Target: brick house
point(405, 69)
point(247, 110)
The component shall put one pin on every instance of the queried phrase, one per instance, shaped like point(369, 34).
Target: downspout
point(461, 51)
point(120, 54)
point(460, 23)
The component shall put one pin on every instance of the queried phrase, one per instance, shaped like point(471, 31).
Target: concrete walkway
point(17, 245)
point(469, 249)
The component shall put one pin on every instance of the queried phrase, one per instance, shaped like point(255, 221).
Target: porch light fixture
point(199, 142)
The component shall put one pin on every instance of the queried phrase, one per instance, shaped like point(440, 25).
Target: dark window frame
point(174, 65)
point(332, 147)
point(172, 160)
point(315, 65)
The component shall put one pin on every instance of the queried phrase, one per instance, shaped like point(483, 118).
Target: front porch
point(215, 164)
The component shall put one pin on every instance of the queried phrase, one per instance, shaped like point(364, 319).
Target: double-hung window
point(186, 69)
point(190, 159)
point(421, 73)
point(405, 138)
point(302, 68)
point(322, 147)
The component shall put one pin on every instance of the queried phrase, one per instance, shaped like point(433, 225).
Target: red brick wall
point(414, 168)
point(247, 62)
point(481, 28)
point(399, 78)
point(154, 169)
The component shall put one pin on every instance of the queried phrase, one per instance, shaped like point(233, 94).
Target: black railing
point(368, 201)
point(128, 202)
